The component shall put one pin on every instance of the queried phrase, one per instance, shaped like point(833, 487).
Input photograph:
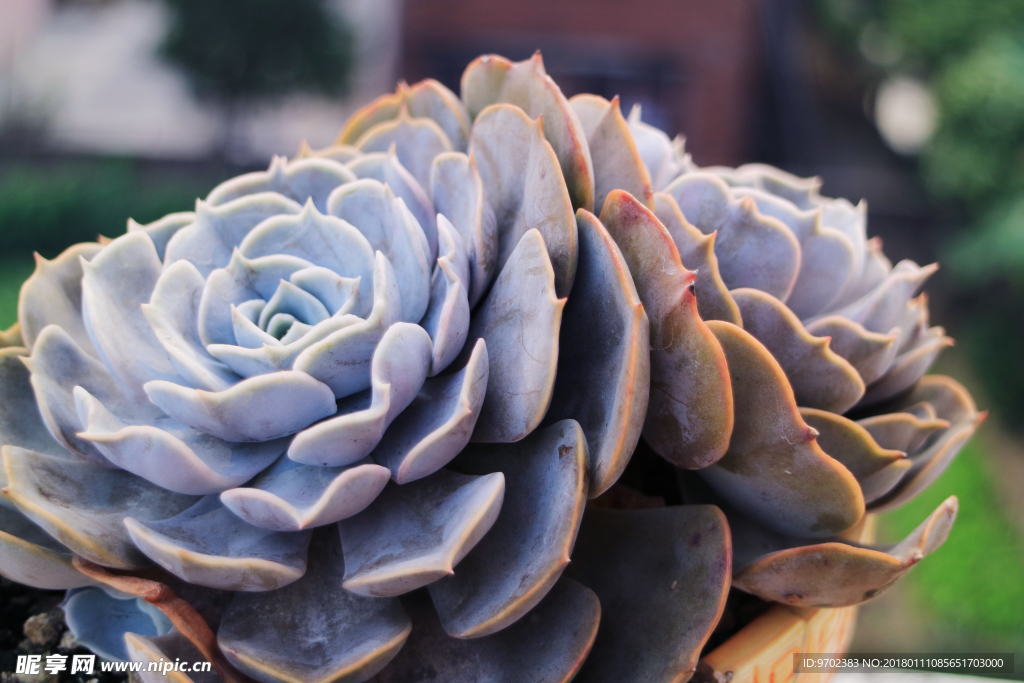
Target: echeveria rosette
point(407, 360)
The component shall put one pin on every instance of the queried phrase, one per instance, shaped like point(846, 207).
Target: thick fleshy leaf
point(341, 153)
point(881, 308)
point(774, 469)
point(400, 366)
point(20, 421)
point(416, 141)
point(833, 574)
point(662, 576)
point(291, 497)
point(340, 295)
point(246, 284)
point(291, 300)
point(209, 546)
point(884, 480)
point(320, 239)
point(820, 378)
point(415, 534)
point(548, 647)
point(301, 180)
point(876, 267)
point(59, 364)
point(115, 285)
point(30, 556)
point(343, 359)
point(86, 519)
point(170, 454)
point(447, 316)
point(208, 241)
point(697, 252)
point(522, 183)
point(902, 431)
point(99, 621)
point(385, 167)
point(753, 250)
point(313, 630)
point(828, 257)
point(690, 413)
point(426, 99)
point(163, 229)
point(53, 296)
point(192, 610)
point(256, 409)
point(662, 157)
point(275, 355)
point(951, 402)
point(871, 353)
point(853, 446)
point(802, 192)
point(12, 337)
point(604, 373)
point(438, 423)
point(908, 367)
point(520, 321)
point(521, 558)
point(173, 312)
point(617, 162)
point(392, 230)
point(458, 195)
point(490, 79)
point(166, 651)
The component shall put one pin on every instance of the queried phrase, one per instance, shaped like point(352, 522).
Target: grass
point(975, 582)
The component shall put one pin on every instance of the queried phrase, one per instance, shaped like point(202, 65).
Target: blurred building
point(82, 76)
point(694, 65)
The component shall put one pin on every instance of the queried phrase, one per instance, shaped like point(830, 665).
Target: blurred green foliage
point(971, 54)
point(232, 51)
point(974, 582)
point(46, 206)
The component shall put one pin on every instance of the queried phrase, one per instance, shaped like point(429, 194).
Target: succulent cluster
point(253, 432)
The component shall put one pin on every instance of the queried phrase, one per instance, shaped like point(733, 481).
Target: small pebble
point(44, 629)
point(67, 641)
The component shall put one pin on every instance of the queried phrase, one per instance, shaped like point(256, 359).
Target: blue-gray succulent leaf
point(30, 556)
point(386, 168)
point(299, 180)
point(53, 296)
point(391, 229)
point(256, 409)
point(447, 317)
point(438, 423)
point(163, 229)
point(399, 368)
point(172, 455)
point(290, 496)
point(207, 242)
point(87, 519)
point(342, 359)
point(458, 194)
point(172, 313)
point(415, 534)
point(115, 285)
point(330, 635)
point(209, 545)
point(100, 621)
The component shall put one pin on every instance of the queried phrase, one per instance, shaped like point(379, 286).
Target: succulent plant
point(343, 420)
